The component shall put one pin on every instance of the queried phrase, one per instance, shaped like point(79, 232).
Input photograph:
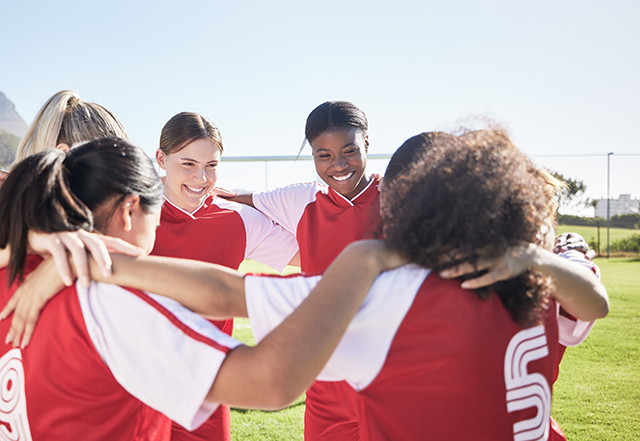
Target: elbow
point(604, 309)
point(280, 391)
point(281, 387)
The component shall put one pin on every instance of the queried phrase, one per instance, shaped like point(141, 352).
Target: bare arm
point(211, 290)
point(577, 289)
point(277, 370)
point(246, 199)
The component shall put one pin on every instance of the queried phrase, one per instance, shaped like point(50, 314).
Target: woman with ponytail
point(113, 363)
point(424, 352)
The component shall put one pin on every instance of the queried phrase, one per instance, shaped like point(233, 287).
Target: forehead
point(338, 138)
point(200, 149)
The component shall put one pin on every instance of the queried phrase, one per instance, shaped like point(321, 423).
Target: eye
point(324, 155)
point(188, 164)
point(212, 165)
point(350, 151)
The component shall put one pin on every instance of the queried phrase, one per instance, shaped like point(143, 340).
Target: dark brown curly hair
point(466, 197)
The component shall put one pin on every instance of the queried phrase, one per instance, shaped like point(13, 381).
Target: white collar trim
point(185, 211)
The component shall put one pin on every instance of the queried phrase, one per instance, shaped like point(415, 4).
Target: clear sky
point(563, 76)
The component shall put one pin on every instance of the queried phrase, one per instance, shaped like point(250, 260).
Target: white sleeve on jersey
point(161, 353)
point(286, 205)
point(267, 242)
point(572, 332)
point(363, 349)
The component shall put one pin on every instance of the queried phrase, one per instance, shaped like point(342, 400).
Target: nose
point(200, 175)
point(339, 162)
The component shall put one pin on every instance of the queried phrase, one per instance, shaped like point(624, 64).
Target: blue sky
point(564, 77)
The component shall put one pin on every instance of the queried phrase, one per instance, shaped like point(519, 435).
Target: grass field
point(590, 234)
point(597, 396)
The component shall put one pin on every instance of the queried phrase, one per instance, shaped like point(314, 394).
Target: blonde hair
point(553, 188)
point(66, 118)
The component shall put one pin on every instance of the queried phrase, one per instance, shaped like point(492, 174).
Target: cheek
point(212, 175)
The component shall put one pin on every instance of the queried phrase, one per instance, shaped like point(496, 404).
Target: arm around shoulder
point(276, 371)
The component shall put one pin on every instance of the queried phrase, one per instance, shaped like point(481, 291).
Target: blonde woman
point(64, 120)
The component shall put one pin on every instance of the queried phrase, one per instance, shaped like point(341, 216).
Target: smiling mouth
point(342, 178)
point(197, 190)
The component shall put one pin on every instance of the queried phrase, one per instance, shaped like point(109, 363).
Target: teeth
point(194, 189)
point(343, 178)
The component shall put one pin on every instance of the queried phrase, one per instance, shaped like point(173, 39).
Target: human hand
point(512, 263)
point(77, 243)
point(27, 302)
point(223, 193)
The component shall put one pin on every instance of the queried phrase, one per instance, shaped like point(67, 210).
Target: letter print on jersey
point(524, 389)
point(13, 403)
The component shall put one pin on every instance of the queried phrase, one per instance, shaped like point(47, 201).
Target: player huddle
point(432, 303)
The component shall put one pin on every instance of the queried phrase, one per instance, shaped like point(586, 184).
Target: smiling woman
point(325, 219)
point(197, 225)
point(191, 173)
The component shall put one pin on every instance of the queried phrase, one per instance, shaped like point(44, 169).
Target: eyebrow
point(195, 160)
point(346, 145)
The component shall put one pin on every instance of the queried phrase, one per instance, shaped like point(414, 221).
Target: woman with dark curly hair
point(426, 357)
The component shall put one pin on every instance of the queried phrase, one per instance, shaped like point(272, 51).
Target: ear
point(366, 143)
point(64, 147)
point(129, 207)
point(161, 159)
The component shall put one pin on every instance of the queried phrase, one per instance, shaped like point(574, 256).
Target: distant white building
point(623, 205)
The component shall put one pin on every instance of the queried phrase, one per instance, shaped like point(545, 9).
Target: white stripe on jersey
point(151, 357)
point(270, 300)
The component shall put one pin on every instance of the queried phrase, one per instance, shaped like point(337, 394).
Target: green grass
point(597, 396)
point(286, 424)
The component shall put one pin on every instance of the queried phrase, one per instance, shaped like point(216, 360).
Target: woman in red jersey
point(113, 363)
point(422, 353)
point(198, 225)
point(324, 220)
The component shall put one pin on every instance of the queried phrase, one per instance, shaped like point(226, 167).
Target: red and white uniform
point(427, 359)
point(108, 363)
point(324, 223)
point(224, 233)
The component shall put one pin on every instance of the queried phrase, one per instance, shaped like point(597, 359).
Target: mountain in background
point(10, 121)
point(8, 146)
point(12, 129)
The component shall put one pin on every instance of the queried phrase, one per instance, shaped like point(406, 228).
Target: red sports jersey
point(324, 223)
point(108, 363)
point(224, 233)
point(430, 360)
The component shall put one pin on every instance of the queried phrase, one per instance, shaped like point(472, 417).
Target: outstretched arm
point(577, 289)
point(245, 198)
point(211, 290)
point(276, 371)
